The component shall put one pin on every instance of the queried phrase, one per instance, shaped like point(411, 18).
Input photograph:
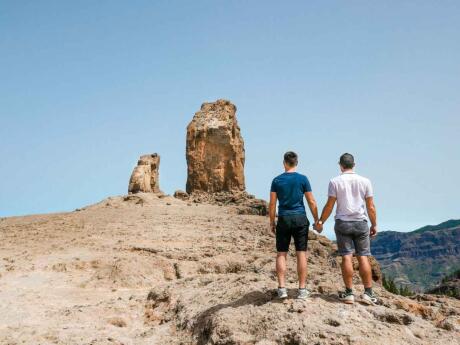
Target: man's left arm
point(310, 199)
point(312, 205)
point(371, 211)
point(272, 211)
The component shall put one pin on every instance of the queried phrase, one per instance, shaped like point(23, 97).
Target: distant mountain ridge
point(451, 223)
point(421, 258)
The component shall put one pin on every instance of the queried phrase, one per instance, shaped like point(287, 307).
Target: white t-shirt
point(351, 191)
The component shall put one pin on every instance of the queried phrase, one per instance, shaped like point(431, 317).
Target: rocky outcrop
point(247, 310)
point(180, 194)
point(215, 160)
point(376, 271)
point(215, 150)
point(145, 176)
point(155, 270)
point(245, 203)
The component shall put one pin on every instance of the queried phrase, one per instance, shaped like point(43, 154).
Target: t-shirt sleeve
point(369, 190)
point(331, 190)
point(273, 186)
point(306, 185)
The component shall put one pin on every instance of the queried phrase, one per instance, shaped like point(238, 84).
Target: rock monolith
point(215, 150)
point(145, 176)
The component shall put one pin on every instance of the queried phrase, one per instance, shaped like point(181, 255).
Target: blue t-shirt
point(290, 189)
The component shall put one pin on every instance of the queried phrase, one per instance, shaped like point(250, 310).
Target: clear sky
point(86, 87)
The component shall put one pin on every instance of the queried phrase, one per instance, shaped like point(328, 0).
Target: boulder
point(376, 271)
point(180, 194)
point(145, 176)
point(215, 150)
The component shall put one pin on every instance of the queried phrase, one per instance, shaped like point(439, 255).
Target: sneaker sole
point(366, 301)
point(347, 302)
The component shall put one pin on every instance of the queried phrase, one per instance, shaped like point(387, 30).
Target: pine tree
point(390, 285)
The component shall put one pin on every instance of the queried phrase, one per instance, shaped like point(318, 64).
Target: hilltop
point(153, 269)
point(449, 224)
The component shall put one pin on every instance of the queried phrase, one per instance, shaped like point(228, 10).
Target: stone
point(145, 176)
point(180, 194)
point(253, 207)
point(375, 267)
point(215, 150)
point(393, 317)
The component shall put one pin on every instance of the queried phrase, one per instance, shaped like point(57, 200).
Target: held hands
point(373, 231)
point(318, 226)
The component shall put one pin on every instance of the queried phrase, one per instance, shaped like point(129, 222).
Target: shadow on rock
point(204, 323)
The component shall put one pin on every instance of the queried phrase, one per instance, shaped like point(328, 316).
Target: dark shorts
point(351, 235)
point(295, 226)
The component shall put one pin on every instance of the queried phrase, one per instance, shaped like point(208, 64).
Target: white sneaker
point(282, 293)
point(369, 299)
point(303, 294)
point(347, 298)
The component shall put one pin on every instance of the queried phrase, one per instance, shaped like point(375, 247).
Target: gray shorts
point(351, 235)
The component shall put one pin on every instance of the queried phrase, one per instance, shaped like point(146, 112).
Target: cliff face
point(420, 258)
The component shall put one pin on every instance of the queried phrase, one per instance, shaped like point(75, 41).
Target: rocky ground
point(145, 269)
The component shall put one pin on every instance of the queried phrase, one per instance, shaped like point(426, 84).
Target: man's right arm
point(328, 208)
point(272, 211)
point(372, 213)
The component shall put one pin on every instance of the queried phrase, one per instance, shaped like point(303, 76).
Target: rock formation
point(141, 269)
point(145, 176)
point(215, 150)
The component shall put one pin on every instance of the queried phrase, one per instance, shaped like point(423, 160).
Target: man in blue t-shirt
point(289, 189)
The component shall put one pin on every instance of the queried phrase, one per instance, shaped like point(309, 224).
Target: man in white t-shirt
point(353, 194)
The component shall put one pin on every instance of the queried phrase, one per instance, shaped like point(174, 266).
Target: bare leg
point(347, 270)
point(281, 268)
point(302, 268)
point(365, 271)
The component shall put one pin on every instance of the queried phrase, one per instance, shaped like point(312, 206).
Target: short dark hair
point(291, 158)
point(347, 161)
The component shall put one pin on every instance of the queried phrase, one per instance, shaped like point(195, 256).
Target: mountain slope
point(420, 258)
point(449, 286)
point(147, 269)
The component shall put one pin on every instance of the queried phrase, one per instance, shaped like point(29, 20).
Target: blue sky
point(86, 87)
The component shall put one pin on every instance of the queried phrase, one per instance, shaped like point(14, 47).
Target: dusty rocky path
point(144, 269)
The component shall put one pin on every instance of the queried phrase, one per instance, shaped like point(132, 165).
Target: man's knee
point(301, 253)
point(364, 263)
point(281, 254)
point(362, 259)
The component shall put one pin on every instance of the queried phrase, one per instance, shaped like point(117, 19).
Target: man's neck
point(290, 170)
point(348, 171)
